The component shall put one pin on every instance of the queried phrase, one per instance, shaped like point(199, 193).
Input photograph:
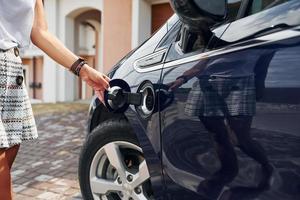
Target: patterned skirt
point(220, 96)
point(17, 123)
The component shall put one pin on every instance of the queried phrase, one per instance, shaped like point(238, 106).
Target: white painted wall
point(141, 21)
point(66, 81)
point(50, 68)
point(100, 44)
point(158, 1)
point(68, 9)
point(59, 84)
point(86, 40)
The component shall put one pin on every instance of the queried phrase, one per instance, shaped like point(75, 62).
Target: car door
point(185, 141)
point(271, 46)
point(231, 131)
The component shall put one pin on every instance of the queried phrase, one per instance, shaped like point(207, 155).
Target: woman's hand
point(175, 84)
point(54, 48)
point(98, 81)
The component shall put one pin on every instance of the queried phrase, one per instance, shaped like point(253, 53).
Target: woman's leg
point(11, 155)
point(212, 186)
point(241, 125)
point(5, 178)
point(223, 147)
point(7, 157)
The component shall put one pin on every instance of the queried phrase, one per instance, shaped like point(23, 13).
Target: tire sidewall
point(110, 131)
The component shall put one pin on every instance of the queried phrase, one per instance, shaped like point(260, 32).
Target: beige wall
point(116, 23)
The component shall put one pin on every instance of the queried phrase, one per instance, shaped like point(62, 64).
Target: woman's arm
point(188, 74)
point(43, 39)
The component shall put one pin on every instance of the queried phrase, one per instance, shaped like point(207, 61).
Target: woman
point(20, 22)
point(224, 99)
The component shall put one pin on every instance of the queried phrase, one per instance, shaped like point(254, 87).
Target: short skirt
point(17, 122)
point(222, 96)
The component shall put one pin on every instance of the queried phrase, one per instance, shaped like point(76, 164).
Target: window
point(233, 7)
point(175, 52)
point(260, 5)
point(284, 76)
point(172, 21)
point(170, 37)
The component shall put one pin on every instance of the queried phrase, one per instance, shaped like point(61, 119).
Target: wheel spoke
point(116, 160)
point(104, 197)
point(142, 175)
point(102, 186)
point(139, 196)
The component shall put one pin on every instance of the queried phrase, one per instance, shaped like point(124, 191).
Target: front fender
point(98, 113)
point(149, 141)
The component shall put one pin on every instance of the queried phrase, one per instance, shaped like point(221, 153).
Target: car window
point(198, 42)
point(260, 5)
point(170, 37)
point(149, 46)
point(278, 18)
point(172, 21)
point(284, 76)
point(233, 7)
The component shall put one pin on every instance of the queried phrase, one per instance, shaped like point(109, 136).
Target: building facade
point(101, 31)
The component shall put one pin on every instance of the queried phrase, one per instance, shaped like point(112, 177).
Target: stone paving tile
point(46, 169)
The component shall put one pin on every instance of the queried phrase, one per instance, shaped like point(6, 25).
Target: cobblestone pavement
point(47, 168)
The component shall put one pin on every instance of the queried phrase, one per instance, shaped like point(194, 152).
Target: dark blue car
point(212, 115)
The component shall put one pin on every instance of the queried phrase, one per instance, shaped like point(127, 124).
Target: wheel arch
point(99, 113)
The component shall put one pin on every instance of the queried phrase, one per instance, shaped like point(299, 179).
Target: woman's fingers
point(98, 81)
point(98, 87)
point(106, 77)
point(171, 85)
point(174, 85)
point(104, 81)
point(100, 95)
point(95, 85)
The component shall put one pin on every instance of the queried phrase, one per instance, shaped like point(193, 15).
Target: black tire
point(106, 132)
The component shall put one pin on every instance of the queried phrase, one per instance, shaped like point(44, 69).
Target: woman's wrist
point(84, 71)
point(77, 65)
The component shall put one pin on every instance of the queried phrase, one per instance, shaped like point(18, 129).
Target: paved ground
point(47, 168)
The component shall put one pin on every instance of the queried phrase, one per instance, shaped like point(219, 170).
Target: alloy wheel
point(119, 172)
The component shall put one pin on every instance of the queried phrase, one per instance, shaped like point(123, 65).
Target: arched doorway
point(83, 30)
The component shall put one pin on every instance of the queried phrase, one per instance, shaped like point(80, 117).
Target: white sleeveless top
point(16, 19)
